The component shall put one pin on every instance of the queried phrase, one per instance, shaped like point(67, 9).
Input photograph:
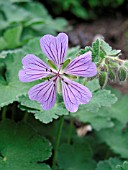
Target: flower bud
point(114, 65)
point(122, 74)
point(111, 74)
point(103, 79)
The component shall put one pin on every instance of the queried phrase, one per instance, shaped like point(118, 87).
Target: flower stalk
point(61, 121)
point(70, 130)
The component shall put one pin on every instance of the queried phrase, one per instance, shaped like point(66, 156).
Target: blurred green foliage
point(22, 20)
point(85, 9)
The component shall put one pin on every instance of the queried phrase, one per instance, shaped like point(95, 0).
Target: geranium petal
point(74, 94)
point(82, 66)
point(55, 48)
point(33, 69)
point(44, 93)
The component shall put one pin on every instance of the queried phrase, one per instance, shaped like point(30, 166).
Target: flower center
point(57, 75)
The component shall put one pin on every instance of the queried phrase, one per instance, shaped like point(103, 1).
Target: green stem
point(25, 116)
point(4, 113)
point(57, 141)
point(70, 130)
point(115, 58)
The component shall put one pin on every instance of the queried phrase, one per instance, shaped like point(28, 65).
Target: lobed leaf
point(122, 167)
point(77, 156)
point(116, 138)
point(21, 148)
point(109, 164)
point(39, 113)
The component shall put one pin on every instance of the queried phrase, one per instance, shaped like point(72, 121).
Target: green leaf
point(105, 47)
point(14, 13)
point(122, 167)
point(93, 85)
point(95, 112)
point(36, 10)
point(116, 138)
point(96, 50)
point(108, 49)
point(3, 44)
point(39, 113)
point(12, 36)
point(114, 52)
point(100, 98)
point(87, 48)
point(73, 52)
point(21, 148)
point(98, 120)
point(77, 156)
point(12, 88)
point(109, 164)
point(119, 109)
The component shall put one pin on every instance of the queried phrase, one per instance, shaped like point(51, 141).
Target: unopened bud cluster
point(113, 69)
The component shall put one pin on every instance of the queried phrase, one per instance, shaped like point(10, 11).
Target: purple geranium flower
point(55, 49)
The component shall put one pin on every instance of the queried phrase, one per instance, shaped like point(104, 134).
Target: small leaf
point(105, 47)
point(114, 52)
point(108, 49)
point(96, 50)
point(87, 48)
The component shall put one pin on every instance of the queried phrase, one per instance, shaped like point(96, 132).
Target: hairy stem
point(57, 141)
point(70, 130)
point(115, 58)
